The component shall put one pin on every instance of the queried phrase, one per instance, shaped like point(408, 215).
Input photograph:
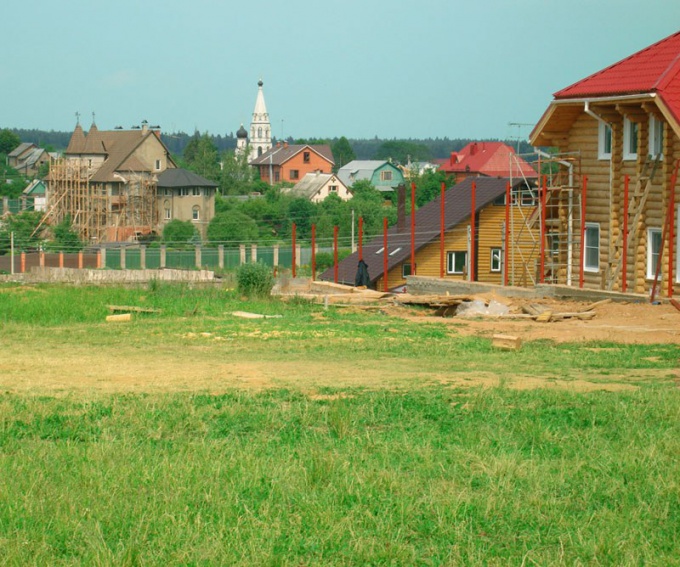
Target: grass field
point(191, 437)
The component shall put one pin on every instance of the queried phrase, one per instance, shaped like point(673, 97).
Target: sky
point(356, 68)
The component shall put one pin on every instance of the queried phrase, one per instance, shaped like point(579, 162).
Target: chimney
point(145, 126)
point(285, 144)
point(453, 159)
point(401, 208)
point(473, 149)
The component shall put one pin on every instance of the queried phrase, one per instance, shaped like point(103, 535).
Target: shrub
point(254, 280)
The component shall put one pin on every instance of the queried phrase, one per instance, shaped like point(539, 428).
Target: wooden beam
point(633, 113)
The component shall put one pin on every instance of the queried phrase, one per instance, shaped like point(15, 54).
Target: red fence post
point(385, 254)
point(544, 200)
point(23, 262)
point(80, 259)
point(508, 200)
point(61, 259)
point(442, 231)
point(671, 229)
point(624, 266)
point(413, 229)
point(361, 236)
point(313, 252)
point(294, 250)
point(473, 230)
point(335, 254)
point(583, 231)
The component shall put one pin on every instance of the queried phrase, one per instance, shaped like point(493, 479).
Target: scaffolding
point(99, 212)
point(543, 245)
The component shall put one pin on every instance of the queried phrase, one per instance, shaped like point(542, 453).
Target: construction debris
point(132, 309)
point(119, 317)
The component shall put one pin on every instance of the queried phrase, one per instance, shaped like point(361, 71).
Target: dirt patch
point(627, 323)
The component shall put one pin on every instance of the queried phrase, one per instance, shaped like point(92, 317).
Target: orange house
point(291, 162)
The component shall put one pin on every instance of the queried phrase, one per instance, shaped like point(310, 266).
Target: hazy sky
point(358, 68)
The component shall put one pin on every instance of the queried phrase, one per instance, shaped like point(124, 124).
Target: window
point(184, 191)
point(496, 259)
point(630, 139)
point(385, 176)
point(294, 174)
point(591, 258)
point(306, 157)
point(655, 137)
point(405, 270)
point(196, 192)
point(456, 262)
point(604, 145)
point(167, 192)
point(653, 249)
point(158, 165)
point(259, 132)
point(332, 188)
point(276, 177)
point(168, 213)
point(196, 213)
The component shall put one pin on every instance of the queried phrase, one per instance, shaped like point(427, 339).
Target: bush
point(254, 280)
point(324, 260)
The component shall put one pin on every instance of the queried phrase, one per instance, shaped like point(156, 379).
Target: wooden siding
point(523, 256)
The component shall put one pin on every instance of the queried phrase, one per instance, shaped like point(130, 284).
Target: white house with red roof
point(487, 159)
point(621, 128)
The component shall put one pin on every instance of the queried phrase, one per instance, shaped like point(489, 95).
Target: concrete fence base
point(74, 276)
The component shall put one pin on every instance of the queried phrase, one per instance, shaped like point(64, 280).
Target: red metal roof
point(492, 159)
point(655, 69)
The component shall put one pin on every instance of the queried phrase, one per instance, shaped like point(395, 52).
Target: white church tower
point(260, 127)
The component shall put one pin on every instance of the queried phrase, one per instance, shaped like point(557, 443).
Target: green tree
point(8, 141)
point(237, 177)
point(179, 233)
point(428, 186)
point(301, 211)
point(403, 151)
point(27, 231)
point(201, 156)
point(64, 237)
point(233, 227)
point(342, 152)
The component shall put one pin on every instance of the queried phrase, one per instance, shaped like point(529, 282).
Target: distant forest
point(363, 148)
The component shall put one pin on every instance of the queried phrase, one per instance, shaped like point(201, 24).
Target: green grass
point(415, 474)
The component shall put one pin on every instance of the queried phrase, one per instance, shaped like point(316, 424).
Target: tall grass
point(432, 477)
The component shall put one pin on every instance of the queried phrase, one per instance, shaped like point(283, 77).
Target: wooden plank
point(597, 304)
point(544, 317)
point(506, 342)
point(132, 309)
point(120, 317)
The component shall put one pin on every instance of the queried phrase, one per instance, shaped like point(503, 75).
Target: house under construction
point(106, 183)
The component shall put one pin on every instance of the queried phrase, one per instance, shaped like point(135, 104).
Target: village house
point(489, 248)
point(486, 159)
point(620, 128)
point(291, 162)
point(383, 175)
point(317, 186)
point(107, 184)
point(27, 158)
point(185, 195)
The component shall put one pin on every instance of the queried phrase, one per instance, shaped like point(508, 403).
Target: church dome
point(241, 132)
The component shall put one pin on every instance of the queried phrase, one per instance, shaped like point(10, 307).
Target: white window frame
point(630, 134)
point(588, 245)
point(168, 213)
point(196, 213)
point(196, 191)
point(602, 141)
point(655, 137)
point(451, 262)
point(158, 165)
point(651, 264)
point(498, 259)
point(184, 192)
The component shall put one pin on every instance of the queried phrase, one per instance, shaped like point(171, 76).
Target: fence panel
point(153, 258)
point(180, 259)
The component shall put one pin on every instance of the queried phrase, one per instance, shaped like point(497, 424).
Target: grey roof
point(177, 177)
point(311, 184)
point(428, 219)
point(279, 155)
point(20, 149)
point(362, 169)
